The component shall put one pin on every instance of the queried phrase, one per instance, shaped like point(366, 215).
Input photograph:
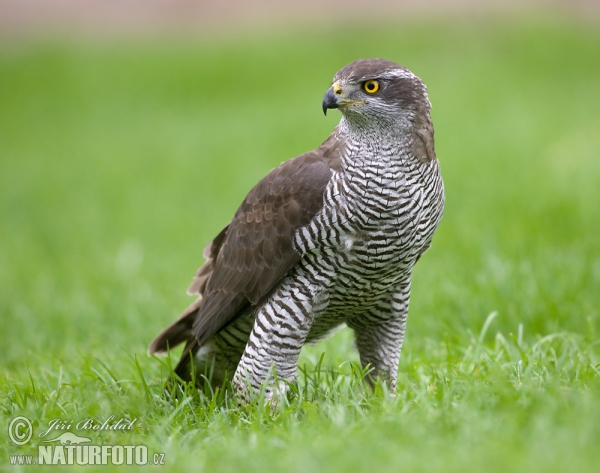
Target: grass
point(119, 161)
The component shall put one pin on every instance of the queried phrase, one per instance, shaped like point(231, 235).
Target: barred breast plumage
point(327, 238)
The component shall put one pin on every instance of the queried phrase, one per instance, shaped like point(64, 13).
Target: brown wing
point(250, 256)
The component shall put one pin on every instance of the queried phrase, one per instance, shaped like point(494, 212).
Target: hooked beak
point(330, 100)
point(335, 98)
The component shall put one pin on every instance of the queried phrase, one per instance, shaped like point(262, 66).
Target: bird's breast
point(377, 218)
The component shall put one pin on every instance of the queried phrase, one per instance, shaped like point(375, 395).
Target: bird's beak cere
point(335, 97)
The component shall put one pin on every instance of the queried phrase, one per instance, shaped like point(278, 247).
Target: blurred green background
point(121, 157)
point(121, 160)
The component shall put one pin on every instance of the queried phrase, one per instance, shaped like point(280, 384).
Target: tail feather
point(183, 368)
point(176, 333)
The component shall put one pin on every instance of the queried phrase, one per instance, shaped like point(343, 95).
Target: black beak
point(330, 100)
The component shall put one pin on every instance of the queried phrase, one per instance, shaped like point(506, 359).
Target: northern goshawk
point(327, 238)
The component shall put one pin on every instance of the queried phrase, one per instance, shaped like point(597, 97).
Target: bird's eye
point(371, 86)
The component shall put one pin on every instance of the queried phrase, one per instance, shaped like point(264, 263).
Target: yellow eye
point(371, 86)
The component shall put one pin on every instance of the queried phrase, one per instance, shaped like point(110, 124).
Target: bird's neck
point(372, 146)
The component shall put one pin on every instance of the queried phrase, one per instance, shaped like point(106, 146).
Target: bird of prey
point(329, 237)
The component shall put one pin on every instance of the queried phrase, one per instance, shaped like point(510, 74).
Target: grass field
point(120, 160)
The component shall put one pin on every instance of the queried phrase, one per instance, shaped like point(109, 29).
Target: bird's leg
point(379, 337)
point(280, 329)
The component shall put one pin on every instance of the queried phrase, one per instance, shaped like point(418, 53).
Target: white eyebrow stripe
point(397, 74)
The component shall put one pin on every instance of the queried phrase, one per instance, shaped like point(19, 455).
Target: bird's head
point(378, 92)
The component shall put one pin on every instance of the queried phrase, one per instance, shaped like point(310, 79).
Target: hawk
point(328, 238)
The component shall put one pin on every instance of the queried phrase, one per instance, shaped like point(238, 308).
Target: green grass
point(119, 161)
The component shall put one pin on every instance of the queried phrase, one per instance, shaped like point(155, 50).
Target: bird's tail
point(176, 333)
